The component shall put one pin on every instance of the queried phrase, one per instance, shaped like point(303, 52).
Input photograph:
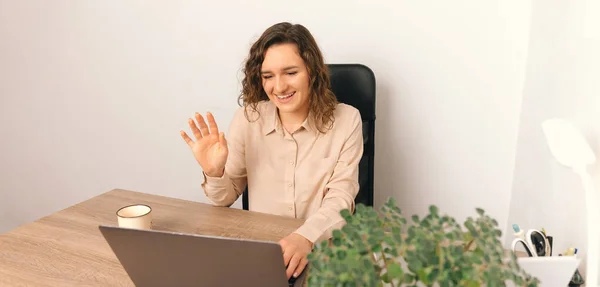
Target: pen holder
point(550, 270)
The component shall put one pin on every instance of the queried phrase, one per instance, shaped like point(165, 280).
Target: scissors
point(534, 242)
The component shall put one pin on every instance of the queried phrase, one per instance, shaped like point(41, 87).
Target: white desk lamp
point(570, 148)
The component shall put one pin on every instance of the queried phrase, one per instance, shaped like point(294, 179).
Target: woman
point(294, 146)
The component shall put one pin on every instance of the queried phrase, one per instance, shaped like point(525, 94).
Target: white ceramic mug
point(136, 216)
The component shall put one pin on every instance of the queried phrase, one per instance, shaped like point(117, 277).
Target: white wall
point(94, 93)
point(563, 69)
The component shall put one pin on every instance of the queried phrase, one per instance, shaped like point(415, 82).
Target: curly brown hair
point(322, 101)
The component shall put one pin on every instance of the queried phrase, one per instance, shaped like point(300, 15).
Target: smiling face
point(285, 79)
point(286, 67)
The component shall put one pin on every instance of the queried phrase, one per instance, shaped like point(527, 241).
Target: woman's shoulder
point(250, 119)
point(345, 112)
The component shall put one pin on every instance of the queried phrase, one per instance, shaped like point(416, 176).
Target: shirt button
point(289, 184)
point(290, 208)
point(291, 162)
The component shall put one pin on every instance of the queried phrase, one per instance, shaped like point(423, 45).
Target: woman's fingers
point(212, 124)
point(287, 256)
point(291, 268)
point(202, 124)
point(195, 129)
point(222, 139)
point(203, 131)
point(301, 266)
point(186, 138)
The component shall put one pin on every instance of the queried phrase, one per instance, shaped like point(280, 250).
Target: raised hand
point(210, 147)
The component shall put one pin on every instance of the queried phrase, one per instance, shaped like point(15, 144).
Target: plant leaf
point(395, 271)
point(415, 218)
point(433, 209)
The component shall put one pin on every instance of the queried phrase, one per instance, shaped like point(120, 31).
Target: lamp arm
point(593, 214)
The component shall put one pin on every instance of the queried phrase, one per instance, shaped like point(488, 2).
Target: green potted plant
point(385, 249)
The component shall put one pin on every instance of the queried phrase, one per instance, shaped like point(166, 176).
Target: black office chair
point(354, 84)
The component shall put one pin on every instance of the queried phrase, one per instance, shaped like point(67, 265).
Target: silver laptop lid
point(159, 258)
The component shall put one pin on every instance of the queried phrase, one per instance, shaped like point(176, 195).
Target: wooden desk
point(67, 249)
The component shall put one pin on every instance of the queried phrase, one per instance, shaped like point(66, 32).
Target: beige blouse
point(306, 174)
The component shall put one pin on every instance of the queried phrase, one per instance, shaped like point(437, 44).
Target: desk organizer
point(551, 270)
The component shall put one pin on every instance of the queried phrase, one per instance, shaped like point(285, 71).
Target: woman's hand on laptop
point(210, 147)
point(295, 250)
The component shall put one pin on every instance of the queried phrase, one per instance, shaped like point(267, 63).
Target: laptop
point(160, 258)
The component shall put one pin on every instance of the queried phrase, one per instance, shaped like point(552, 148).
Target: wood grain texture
point(67, 249)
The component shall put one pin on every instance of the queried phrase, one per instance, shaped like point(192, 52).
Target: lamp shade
point(567, 144)
point(570, 148)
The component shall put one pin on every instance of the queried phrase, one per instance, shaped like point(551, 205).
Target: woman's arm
point(226, 189)
point(341, 190)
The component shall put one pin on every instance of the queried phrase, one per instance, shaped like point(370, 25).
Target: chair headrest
point(354, 84)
